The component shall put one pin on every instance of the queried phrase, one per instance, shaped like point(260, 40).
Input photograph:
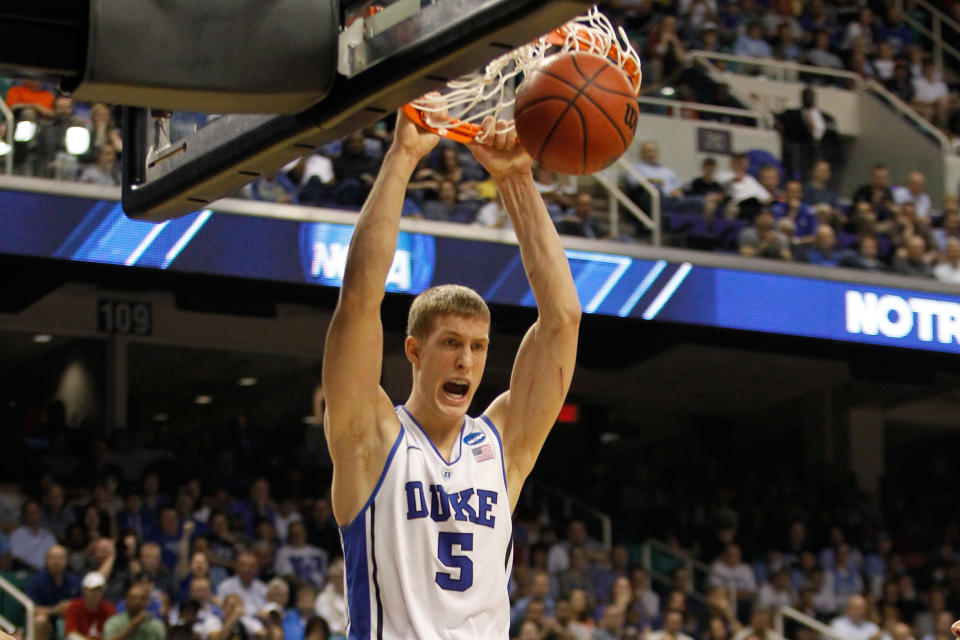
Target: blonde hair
point(442, 300)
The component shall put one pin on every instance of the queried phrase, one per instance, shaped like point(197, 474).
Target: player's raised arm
point(356, 406)
point(544, 364)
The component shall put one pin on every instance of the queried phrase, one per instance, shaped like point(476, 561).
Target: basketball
point(577, 114)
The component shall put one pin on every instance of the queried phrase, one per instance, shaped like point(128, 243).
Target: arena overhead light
point(25, 131)
point(203, 400)
point(77, 141)
point(42, 338)
point(4, 148)
point(668, 91)
point(247, 381)
point(161, 417)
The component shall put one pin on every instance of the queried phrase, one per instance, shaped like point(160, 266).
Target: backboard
point(388, 53)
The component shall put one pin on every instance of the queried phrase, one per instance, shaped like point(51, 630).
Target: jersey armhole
point(376, 489)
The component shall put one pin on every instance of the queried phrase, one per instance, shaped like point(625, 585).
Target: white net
point(466, 101)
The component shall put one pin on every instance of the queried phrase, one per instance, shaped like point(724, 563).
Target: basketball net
point(457, 111)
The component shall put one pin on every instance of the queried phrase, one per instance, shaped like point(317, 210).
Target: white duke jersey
point(429, 556)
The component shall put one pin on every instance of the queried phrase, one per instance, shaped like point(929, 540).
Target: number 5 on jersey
point(448, 558)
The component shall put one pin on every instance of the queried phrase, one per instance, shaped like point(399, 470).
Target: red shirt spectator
point(30, 93)
point(86, 615)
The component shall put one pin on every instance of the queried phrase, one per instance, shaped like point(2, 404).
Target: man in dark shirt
point(51, 591)
point(354, 171)
point(877, 192)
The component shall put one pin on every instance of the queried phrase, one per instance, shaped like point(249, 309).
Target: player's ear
point(411, 346)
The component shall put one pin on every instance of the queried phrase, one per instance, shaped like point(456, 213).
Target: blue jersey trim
point(503, 463)
point(435, 450)
point(354, 538)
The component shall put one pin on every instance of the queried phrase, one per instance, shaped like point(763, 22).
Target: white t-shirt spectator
point(770, 598)
point(208, 621)
point(741, 575)
point(332, 607)
point(846, 629)
point(308, 563)
point(946, 272)
point(661, 635)
point(31, 547)
point(927, 91)
point(254, 596)
point(743, 189)
point(663, 177)
point(921, 201)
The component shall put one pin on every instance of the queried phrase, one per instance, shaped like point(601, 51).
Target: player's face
point(451, 362)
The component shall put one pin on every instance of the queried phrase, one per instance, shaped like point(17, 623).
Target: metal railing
point(802, 618)
point(651, 219)
point(682, 558)
point(680, 108)
point(938, 20)
point(542, 496)
point(11, 125)
point(777, 69)
point(910, 114)
point(21, 597)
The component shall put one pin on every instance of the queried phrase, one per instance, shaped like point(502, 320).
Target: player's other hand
point(411, 138)
point(498, 151)
point(956, 628)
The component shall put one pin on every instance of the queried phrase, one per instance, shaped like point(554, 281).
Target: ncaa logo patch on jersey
point(474, 438)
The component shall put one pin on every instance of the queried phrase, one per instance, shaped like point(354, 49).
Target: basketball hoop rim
point(575, 35)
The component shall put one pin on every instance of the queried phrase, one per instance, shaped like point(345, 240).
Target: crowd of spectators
point(114, 540)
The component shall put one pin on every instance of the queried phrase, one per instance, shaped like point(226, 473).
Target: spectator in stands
point(824, 250)
point(664, 178)
point(55, 515)
point(276, 188)
point(611, 624)
point(763, 241)
point(785, 48)
point(152, 565)
point(135, 623)
point(709, 39)
point(245, 584)
point(745, 194)
point(673, 627)
point(223, 542)
point(730, 568)
point(301, 560)
point(901, 82)
point(948, 269)
point(798, 212)
point(104, 172)
point(778, 592)
point(51, 591)
point(877, 192)
point(556, 196)
point(912, 259)
point(752, 43)
point(805, 135)
point(103, 131)
point(52, 146)
point(30, 94)
point(295, 618)
point(893, 31)
point(821, 55)
point(577, 574)
point(760, 627)
point(354, 171)
point(931, 97)
point(539, 593)
point(313, 176)
point(914, 191)
point(864, 256)
point(448, 207)
point(664, 52)
point(579, 220)
point(884, 61)
point(707, 187)
point(30, 542)
point(331, 603)
point(86, 616)
point(237, 622)
point(818, 189)
point(208, 616)
point(861, 28)
point(854, 625)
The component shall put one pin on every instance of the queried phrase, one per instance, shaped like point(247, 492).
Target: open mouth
point(456, 390)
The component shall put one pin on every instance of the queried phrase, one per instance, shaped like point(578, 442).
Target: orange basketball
point(577, 114)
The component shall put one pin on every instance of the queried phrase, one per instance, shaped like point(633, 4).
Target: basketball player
point(422, 492)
